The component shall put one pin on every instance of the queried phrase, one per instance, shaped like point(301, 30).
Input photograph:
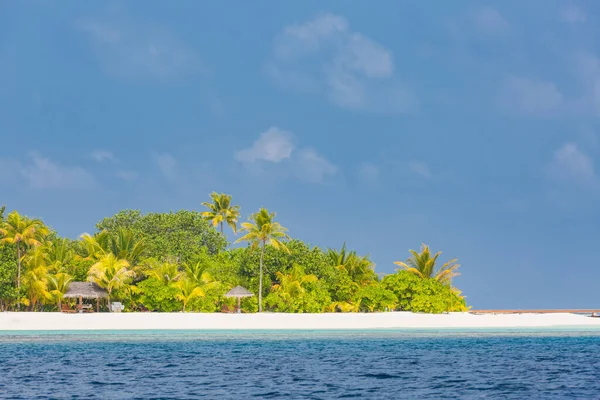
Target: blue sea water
point(299, 365)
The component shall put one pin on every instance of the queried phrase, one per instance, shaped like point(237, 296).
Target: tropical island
point(182, 262)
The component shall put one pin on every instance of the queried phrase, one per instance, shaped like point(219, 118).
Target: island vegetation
point(182, 261)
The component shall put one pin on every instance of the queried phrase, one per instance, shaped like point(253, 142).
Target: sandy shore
point(10, 321)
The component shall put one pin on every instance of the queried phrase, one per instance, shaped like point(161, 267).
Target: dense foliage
point(180, 261)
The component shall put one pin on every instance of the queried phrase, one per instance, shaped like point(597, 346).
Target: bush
point(422, 295)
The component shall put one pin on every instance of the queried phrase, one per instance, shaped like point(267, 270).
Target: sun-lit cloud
point(324, 55)
point(272, 145)
point(40, 172)
point(312, 167)
point(167, 164)
point(277, 147)
point(103, 155)
point(531, 97)
point(571, 164)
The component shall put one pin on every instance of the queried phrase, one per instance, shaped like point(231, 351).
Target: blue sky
point(470, 127)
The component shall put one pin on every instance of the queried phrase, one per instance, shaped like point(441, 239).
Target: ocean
point(301, 365)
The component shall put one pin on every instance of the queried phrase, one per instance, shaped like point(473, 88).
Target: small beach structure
point(85, 290)
point(239, 292)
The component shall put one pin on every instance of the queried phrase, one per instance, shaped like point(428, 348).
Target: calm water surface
point(314, 365)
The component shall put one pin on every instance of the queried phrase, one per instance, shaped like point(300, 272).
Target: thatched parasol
point(87, 290)
point(239, 292)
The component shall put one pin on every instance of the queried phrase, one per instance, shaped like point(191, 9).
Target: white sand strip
point(34, 321)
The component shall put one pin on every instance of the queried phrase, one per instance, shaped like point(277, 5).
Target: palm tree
point(221, 211)
point(58, 285)
point(292, 284)
point(359, 269)
point(197, 272)
point(58, 254)
point(111, 274)
point(125, 245)
point(24, 233)
point(35, 279)
point(423, 265)
point(263, 231)
point(188, 290)
point(128, 246)
point(167, 271)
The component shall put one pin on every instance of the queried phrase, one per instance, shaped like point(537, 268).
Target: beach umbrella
point(239, 292)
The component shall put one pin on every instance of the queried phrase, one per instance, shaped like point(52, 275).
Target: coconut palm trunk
point(19, 276)
point(260, 279)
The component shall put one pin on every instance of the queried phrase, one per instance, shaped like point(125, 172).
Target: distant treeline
point(182, 261)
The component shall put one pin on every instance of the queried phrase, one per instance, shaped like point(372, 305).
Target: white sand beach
point(34, 321)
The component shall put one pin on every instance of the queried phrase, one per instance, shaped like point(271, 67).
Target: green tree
point(176, 235)
point(188, 290)
point(8, 273)
point(423, 264)
point(156, 295)
point(297, 291)
point(245, 264)
point(23, 233)
point(159, 292)
point(418, 294)
point(221, 211)
point(111, 274)
point(262, 231)
point(376, 298)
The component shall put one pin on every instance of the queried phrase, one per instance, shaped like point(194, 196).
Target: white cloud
point(311, 167)
point(420, 168)
point(291, 79)
point(167, 164)
point(588, 70)
point(353, 70)
point(43, 173)
point(490, 21)
point(272, 145)
point(573, 165)
point(136, 51)
point(573, 15)
point(276, 146)
point(127, 175)
point(103, 155)
point(531, 97)
point(298, 41)
point(543, 98)
point(368, 173)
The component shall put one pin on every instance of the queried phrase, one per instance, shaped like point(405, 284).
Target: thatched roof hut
point(86, 290)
